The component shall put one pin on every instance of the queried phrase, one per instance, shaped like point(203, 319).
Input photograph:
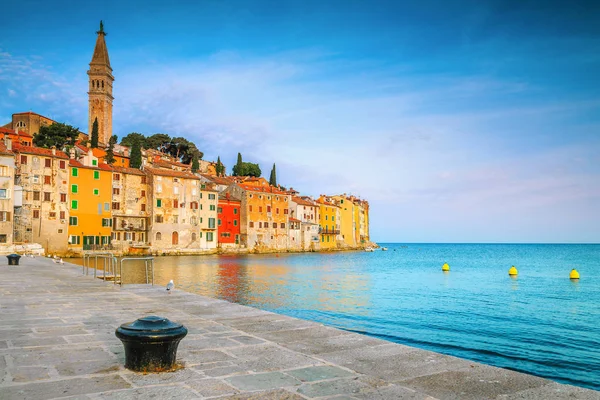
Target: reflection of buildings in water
point(232, 282)
point(269, 285)
point(189, 273)
point(345, 293)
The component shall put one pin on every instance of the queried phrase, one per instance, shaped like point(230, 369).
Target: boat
point(384, 249)
point(369, 249)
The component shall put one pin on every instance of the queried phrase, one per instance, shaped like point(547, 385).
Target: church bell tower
point(100, 90)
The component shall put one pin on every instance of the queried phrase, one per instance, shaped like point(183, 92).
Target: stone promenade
point(57, 341)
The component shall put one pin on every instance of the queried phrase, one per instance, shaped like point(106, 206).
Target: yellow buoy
point(513, 271)
point(574, 274)
point(445, 267)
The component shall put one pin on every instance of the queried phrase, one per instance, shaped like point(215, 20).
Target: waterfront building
point(90, 194)
point(228, 214)
point(208, 216)
point(174, 225)
point(348, 221)
point(330, 220)
point(129, 210)
point(41, 210)
point(100, 96)
point(7, 194)
point(304, 217)
point(265, 212)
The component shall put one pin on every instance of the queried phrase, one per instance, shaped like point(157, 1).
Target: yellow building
point(347, 223)
point(90, 194)
point(329, 222)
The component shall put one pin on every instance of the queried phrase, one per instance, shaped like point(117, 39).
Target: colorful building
point(7, 194)
point(228, 214)
point(90, 206)
point(329, 222)
point(305, 211)
point(208, 201)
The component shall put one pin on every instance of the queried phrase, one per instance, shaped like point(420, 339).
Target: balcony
point(329, 231)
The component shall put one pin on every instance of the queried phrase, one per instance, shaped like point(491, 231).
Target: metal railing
point(109, 264)
point(148, 263)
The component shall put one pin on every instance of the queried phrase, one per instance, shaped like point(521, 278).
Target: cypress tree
point(95, 134)
point(220, 169)
point(110, 152)
point(195, 164)
point(237, 168)
point(273, 178)
point(135, 160)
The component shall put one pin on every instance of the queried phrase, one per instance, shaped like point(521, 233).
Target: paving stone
point(191, 357)
point(247, 340)
point(269, 380)
point(268, 357)
point(88, 367)
point(158, 392)
point(36, 342)
point(63, 388)
point(279, 394)
point(211, 387)
point(336, 387)
point(28, 374)
point(149, 379)
point(554, 391)
point(331, 344)
point(320, 373)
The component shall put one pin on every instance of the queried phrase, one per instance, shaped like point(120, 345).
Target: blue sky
point(463, 121)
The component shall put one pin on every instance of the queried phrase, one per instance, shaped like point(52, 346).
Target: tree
point(94, 141)
point(251, 169)
point(219, 168)
point(237, 168)
point(57, 134)
point(110, 152)
point(135, 160)
point(158, 141)
point(195, 165)
point(273, 177)
point(132, 137)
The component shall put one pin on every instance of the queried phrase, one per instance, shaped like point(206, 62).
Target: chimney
point(8, 143)
point(227, 195)
point(72, 154)
point(126, 152)
point(53, 150)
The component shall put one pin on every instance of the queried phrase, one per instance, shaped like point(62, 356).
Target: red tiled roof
point(264, 189)
point(171, 172)
point(38, 150)
point(79, 164)
point(4, 150)
point(300, 200)
point(75, 163)
point(98, 153)
point(82, 147)
point(294, 220)
point(8, 131)
point(219, 180)
point(125, 170)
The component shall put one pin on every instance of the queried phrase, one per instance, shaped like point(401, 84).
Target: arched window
point(175, 238)
point(20, 124)
point(102, 84)
point(193, 236)
point(158, 236)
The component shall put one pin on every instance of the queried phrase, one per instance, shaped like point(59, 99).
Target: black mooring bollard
point(13, 259)
point(151, 343)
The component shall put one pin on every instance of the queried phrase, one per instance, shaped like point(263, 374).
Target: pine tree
point(219, 168)
point(273, 178)
point(195, 165)
point(94, 141)
point(135, 160)
point(110, 152)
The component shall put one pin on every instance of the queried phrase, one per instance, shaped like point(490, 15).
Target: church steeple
point(100, 89)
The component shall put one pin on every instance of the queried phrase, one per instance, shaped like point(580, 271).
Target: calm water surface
point(540, 323)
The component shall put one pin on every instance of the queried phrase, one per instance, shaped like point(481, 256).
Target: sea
point(539, 322)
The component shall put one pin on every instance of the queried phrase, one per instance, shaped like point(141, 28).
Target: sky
point(462, 121)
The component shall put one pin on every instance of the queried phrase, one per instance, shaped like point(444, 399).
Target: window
point(4, 216)
point(143, 179)
point(96, 193)
point(193, 236)
point(3, 194)
point(194, 205)
point(250, 196)
point(47, 163)
point(73, 188)
point(211, 222)
point(219, 222)
point(175, 238)
point(62, 164)
point(74, 239)
point(235, 222)
point(209, 236)
point(213, 207)
point(158, 188)
point(62, 215)
point(211, 196)
point(36, 214)
point(142, 207)
point(282, 225)
point(251, 224)
point(96, 174)
point(36, 195)
point(3, 170)
point(24, 160)
point(259, 209)
point(158, 219)
point(235, 210)
point(176, 190)
point(47, 180)
point(277, 210)
point(46, 196)
point(158, 203)
point(106, 207)
point(116, 177)
point(73, 221)
point(158, 236)
point(116, 205)
point(260, 224)
point(116, 191)
point(175, 203)
point(220, 210)
point(250, 208)
point(63, 197)
point(74, 204)
point(74, 172)
point(268, 209)
point(94, 162)
point(175, 219)
point(107, 222)
point(2, 238)
point(143, 193)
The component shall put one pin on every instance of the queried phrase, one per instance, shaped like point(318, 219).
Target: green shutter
point(73, 188)
point(96, 174)
point(74, 172)
point(73, 204)
point(96, 192)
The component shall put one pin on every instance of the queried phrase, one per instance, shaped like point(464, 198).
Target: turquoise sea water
point(540, 323)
